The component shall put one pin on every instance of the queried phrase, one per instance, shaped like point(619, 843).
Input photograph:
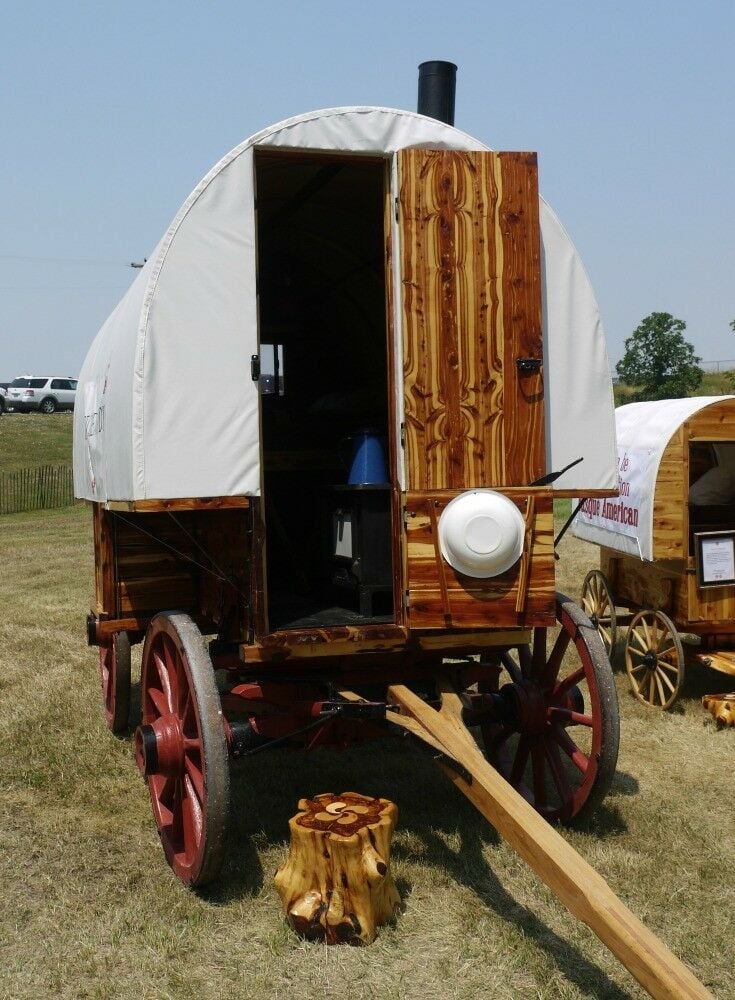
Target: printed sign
point(621, 514)
point(716, 559)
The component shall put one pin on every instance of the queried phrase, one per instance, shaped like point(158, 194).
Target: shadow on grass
point(432, 815)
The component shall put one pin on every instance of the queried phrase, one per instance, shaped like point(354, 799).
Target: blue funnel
point(367, 466)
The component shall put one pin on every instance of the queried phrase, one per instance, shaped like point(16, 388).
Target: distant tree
point(658, 362)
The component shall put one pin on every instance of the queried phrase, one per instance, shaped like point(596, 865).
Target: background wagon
point(667, 543)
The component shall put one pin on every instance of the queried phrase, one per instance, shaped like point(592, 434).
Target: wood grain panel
point(471, 302)
point(194, 561)
point(670, 509)
point(103, 532)
point(460, 601)
point(640, 584)
point(715, 422)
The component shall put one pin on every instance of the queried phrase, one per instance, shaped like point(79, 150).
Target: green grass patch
point(28, 440)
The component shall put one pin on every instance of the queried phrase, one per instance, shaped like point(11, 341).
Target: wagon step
point(582, 890)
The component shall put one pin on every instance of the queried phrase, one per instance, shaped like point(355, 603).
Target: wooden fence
point(36, 489)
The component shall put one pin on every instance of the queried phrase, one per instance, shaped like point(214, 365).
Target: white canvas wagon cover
point(625, 523)
point(166, 405)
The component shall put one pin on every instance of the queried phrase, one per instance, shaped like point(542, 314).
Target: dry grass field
point(89, 909)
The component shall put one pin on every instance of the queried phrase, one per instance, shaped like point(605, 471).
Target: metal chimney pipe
point(437, 86)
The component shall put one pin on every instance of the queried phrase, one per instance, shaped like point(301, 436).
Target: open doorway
point(323, 373)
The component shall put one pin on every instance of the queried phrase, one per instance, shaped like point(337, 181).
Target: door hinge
point(255, 367)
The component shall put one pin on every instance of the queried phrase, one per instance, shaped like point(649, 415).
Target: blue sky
point(112, 113)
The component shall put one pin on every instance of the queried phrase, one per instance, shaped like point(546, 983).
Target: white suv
point(46, 393)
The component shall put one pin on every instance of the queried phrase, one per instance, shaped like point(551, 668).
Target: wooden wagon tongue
point(582, 890)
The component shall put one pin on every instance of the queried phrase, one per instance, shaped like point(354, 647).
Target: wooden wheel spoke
point(665, 665)
point(659, 686)
point(512, 667)
point(651, 687)
point(192, 818)
point(638, 667)
point(570, 748)
point(173, 668)
point(640, 641)
point(160, 702)
point(567, 717)
point(169, 800)
point(667, 681)
point(165, 679)
point(569, 681)
point(551, 671)
point(558, 773)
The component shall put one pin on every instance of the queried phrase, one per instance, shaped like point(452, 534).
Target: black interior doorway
point(324, 389)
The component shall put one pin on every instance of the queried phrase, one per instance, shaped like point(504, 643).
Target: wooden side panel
point(194, 561)
point(643, 584)
point(670, 506)
point(153, 563)
point(713, 605)
point(103, 532)
point(439, 597)
point(471, 301)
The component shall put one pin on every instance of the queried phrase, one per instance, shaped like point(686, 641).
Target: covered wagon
point(667, 543)
point(325, 429)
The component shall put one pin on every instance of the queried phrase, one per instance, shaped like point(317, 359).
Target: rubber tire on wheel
point(654, 659)
point(533, 748)
point(598, 604)
point(115, 681)
point(191, 796)
point(48, 405)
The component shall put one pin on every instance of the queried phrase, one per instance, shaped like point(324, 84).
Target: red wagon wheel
point(557, 743)
point(181, 748)
point(115, 681)
point(597, 603)
point(654, 659)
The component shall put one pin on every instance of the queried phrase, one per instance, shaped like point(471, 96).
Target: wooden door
point(471, 302)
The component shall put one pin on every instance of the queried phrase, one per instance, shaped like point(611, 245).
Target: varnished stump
point(336, 884)
point(721, 707)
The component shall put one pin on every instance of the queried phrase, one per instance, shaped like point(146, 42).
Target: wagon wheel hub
point(531, 707)
point(159, 748)
point(650, 660)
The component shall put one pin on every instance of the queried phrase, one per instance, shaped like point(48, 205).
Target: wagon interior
point(707, 517)
point(323, 380)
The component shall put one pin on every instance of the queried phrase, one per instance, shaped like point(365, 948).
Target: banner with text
point(622, 514)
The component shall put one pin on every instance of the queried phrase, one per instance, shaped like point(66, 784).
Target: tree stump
point(722, 708)
point(336, 884)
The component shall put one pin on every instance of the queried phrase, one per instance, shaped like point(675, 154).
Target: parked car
point(3, 401)
point(46, 393)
